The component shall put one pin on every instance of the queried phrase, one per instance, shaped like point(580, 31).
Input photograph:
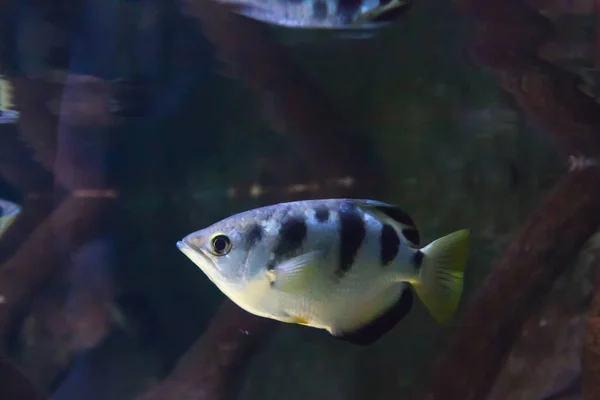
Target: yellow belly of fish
point(344, 309)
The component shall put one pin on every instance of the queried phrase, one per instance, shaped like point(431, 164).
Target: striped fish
point(344, 265)
point(364, 15)
point(8, 214)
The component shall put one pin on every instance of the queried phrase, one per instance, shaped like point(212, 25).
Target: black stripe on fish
point(322, 214)
point(412, 235)
point(397, 214)
point(352, 234)
point(291, 236)
point(375, 329)
point(389, 244)
point(320, 10)
point(418, 259)
point(253, 235)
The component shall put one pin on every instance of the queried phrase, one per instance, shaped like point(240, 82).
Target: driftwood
point(291, 105)
point(516, 286)
point(18, 169)
point(545, 362)
point(555, 233)
point(14, 385)
point(36, 259)
point(71, 159)
point(289, 102)
point(591, 356)
point(214, 365)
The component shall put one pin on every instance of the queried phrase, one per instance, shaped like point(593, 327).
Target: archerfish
point(365, 15)
point(344, 265)
point(7, 114)
point(8, 214)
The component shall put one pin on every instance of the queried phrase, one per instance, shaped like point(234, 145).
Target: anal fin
point(375, 329)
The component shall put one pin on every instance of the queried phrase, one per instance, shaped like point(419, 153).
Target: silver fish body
point(322, 14)
point(344, 265)
point(8, 213)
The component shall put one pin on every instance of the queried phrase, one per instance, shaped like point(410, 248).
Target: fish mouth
point(202, 261)
point(197, 256)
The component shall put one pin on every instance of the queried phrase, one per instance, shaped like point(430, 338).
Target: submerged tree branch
point(591, 353)
point(516, 286)
point(290, 103)
point(15, 385)
point(36, 259)
point(214, 365)
point(506, 40)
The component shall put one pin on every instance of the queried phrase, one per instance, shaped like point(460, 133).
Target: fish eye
point(220, 245)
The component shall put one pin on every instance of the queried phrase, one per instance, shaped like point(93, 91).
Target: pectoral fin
point(295, 274)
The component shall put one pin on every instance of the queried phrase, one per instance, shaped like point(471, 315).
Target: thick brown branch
point(507, 39)
point(591, 354)
point(209, 370)
point(76, 220)
point(14, 385)
point(18, 169)
point(515, 287)
point(290, 102)
point(37, 125)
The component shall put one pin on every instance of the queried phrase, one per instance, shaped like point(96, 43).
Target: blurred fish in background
point(8, 213)
point(363, 17)
point(7, 114)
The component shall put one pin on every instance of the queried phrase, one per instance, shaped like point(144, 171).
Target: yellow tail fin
point(441, 281)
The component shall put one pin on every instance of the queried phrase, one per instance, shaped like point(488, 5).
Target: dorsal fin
point(403, 223)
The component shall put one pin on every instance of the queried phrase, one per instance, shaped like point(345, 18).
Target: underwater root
point(37, 259)
point(289, 102)
point(591, 352)
point(212, 367)
point(15, 385)
point(516, 286)
point(506, 37)
point(37, 126)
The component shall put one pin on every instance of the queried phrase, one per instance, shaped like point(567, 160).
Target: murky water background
point(140, 122)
